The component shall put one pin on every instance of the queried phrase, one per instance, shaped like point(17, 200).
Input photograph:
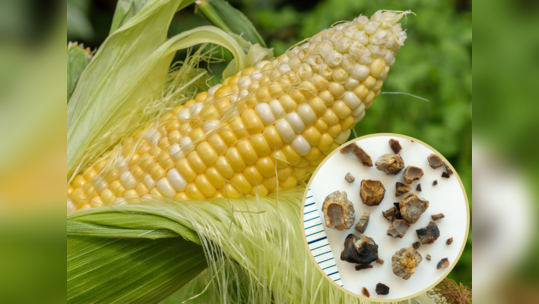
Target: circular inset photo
point(385, 217)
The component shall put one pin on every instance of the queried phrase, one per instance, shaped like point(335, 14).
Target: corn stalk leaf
point(131, 65)
point(129, 270)
point(223, 15)
point(77, 60)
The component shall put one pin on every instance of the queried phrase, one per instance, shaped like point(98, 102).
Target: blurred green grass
point(435, 63)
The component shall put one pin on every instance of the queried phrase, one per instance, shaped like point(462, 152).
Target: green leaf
point(77, 60)
point(125, 10)
point(223, 15)
point(127, 270)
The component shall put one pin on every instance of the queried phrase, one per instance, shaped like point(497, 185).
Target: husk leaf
point(77, 60)
point(130, 66)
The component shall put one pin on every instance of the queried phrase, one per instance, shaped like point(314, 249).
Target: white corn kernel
point(301, 145)
point(343, 137)
point(306, 113)
point(359, 118)
point(176, 180)
point(119, 202)
point(264, 112)
point(261, 64)
point(359, 72)
point(210, 125)
point(211, 91)
point(295, 121)
point(70, 206)
point(153, 136)
point(128, 180)
point(165, 188)
point(359, 110)
point(351, 100)
point(100, 184)
point(361, 37)
point(148, 181)
point(244, 82)
point(277, 108)
point(351, 84)
point(256, 76)
point(285, 130)
point(176, 152)
point(334, 59)
point(305, 71)
point(284, 68)
point(184, 114)
point(371, 27)
point(196, 108)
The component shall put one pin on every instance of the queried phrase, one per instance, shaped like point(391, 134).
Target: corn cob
point(258, 132)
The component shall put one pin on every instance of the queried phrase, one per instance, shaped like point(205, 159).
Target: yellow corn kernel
point(196, 162)
point(224, 167)
point(155, 151)
point(260, 190)
point(319, 82)
point(155, 193)
point(298, 96)
point(89, 174)
point(377, 67)
point(330, 117)
point(271, 183)
point(174, 137)
point(231, 192)
point(205, 186)
point(312, 135)
point(321, 125)
point(291, 182)
point(100, 165)
point(237, 126)
point(284, 173)
point(337, 90)
point(289, 105)
point(341, 109)
point(253, 176)
point(326, 97)
point(260, 145)
point(156, 172)
point(165, 160)
point(266, 166)
point(207, 154)
point(112, 174)
point(291, 155)
point(193, 192)
point(248, 71)
point(218, 144)
point(279, 158)
point(138, 173)
point(361, 92)
point(185, 128)
point(252, 122)
point(146, 161)
point(335, 130)
point(273, 138)
point(141, 189)
point(369, 82)
point(191, 102)
point(116, 187)
point(78, 181)
point(369, 98)
point(318, 106)
point(241, 182)
point(181, 196)
point(318, 161)
point(177, 110)
point(378, 85)
point(69, 190)
point(347, 123)
point(299, 173)
point(77, 195)
point(247, 152)
point(234, 159)
point(215, 178)
point(222, 91)
point(228, 136)
point(314, 154)
point(263, 94)
point(196, 134)
point(275, 90)
point(201, 97)
point(107, 196)
point(131, 196)
point(96, 202)
point(303, 163)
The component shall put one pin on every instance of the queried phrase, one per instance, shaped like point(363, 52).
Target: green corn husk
point(77, 60)
point(213, 251)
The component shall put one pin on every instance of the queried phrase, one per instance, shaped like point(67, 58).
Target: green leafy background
point(435, 63)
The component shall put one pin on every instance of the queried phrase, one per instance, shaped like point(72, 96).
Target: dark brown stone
point(444, 263)
point(395, 145)
point(363, 266)
point(349, 178)
point(418, 188)
point(401, 189)
point(338, 211)
point(391, 164)
point(365, 292)
point(428, 257)
point(412, 206)
point(435, 182)
point(405, 261)
point(435, 161)
point(428, 234)
point(359, 250)
point(416, 245)
point(361, 226)
point(398, 228)
point(438, 216)
point(412, 174)
point(372, 192)
point(449, 241)
point(363, 157)
point(382, 289)
point(448, 172)
point(392, 214)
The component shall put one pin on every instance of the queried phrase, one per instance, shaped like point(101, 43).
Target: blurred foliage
point(435, 63)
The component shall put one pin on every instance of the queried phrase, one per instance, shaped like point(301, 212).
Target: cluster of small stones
point(259, 131)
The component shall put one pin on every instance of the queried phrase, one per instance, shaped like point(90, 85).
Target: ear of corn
point(260, 131)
